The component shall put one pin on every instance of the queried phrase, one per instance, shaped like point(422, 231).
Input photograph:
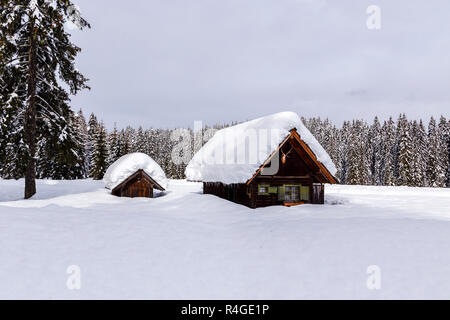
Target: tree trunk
point(30, 118)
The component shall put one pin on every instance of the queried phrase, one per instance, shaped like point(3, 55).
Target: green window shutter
point(281, 193)
point(304, 193)
point(273, 190)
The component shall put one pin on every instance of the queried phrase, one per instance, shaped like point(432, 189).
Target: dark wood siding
point(233, 192)
point(137, 186)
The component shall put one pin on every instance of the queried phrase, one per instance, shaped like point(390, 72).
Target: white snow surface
point(186, 245)
point(229, 157)
point(128, 164)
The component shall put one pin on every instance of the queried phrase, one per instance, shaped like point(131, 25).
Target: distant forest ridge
point(391, 152)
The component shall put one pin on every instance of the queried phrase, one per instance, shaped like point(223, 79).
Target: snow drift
point(124, 167)
point(219, 159)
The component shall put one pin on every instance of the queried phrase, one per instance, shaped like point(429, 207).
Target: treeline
point(391, 153)
point(401, 152)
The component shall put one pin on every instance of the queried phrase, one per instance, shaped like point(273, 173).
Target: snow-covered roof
point(234, 154)
point(129, 164)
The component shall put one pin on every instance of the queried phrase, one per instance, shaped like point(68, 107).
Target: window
point(273, 190)
point(304, 193)
point(263, 189)
point(292, 193)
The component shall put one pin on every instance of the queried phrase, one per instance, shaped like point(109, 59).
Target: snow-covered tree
point(35, 44)
point(436, 172)
point(375, 154)
point(99, 160)
point(444, 133)
point(388, 141)
point(343, 151)
point(420, 154)
point(404, 152)
point(359, 167)
point(140, 141)
point(92, 128)
point(113, 146)
point(82, 130)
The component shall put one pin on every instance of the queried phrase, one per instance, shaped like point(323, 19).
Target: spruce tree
point(140, 141)
point(375, 155)
point(35, 44)
point(124, 145)
point(444, 134)
point(404, 152)
point(113, 146)
point(81, 129)
point(359, 167)
point(435, 170)
point(420, 153)
point(92, 128)
point(343, 150)
point(388, 141)
point(448, 151)
point(99, 160)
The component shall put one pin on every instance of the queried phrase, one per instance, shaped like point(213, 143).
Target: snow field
point(185, 245)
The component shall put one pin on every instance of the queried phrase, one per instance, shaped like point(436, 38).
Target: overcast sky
point(166, 63)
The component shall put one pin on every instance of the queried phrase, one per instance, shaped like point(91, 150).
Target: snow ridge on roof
point(229, 157)
point(127, 165)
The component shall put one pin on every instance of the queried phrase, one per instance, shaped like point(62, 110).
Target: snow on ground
point(185, 245)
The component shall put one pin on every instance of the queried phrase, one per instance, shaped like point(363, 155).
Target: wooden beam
point(291, 177)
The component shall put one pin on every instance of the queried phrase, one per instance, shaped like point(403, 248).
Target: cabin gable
point(139, 184)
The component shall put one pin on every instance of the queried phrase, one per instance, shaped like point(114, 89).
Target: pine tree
point(444, 134)
point(359, 167)
point(99, 160)
point(113, 146)
point(388, 141)
point(60, 146)
point(435, 170)
point(124, 145)
point(140, 141)
point(448, 151)
point(81, 129)
point(130, 136)
point(343, 150)
point(404, 153)
point(420, 153)
point(92, 128)
point(35, 44)
point(375, 155)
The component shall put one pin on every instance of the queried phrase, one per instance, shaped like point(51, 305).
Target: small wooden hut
point(135, 175)
point(300, 176)
point(139, 184)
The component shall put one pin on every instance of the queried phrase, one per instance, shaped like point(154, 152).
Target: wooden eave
point(156, 185)
point(302, 148)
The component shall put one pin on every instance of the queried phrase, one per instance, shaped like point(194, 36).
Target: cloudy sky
point(166, 63)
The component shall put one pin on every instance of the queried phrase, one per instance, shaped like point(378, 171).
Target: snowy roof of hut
point(229, 157)
point(129, 164)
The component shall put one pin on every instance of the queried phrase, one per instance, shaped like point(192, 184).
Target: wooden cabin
point(299, 180)
point(300, 177)
point(139, 184)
